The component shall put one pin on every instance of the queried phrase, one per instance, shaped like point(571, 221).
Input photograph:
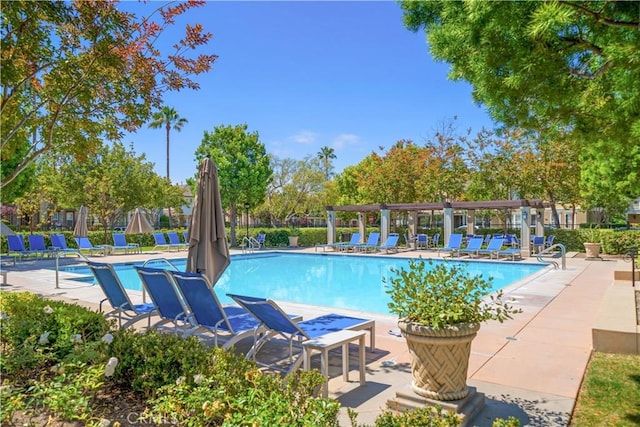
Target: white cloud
point(304, 137)
point(345, 139)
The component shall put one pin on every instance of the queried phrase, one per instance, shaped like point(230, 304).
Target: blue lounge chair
point(161, 242)
point(16, 245)
point(229, 324)
point(508, 239)
point(174, 240)
point(549, 242)
point(166, 298)
point(537, 244)
point(435, 241)
point(512, 253)
point(355, 239)
point(59, 244)
point(371, 243)
point(278, 323)
point(422, 241)
point(349, 246)
point(455, 241)
point(391, 244)
point(474, 245)
point(495, 245)
point(85, 244)
point(120, 243)
point(185, 234)
point(36, 244)
point(123, 309)
point(262, 240)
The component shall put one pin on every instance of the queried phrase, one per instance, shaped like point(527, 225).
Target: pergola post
point(540, 222)
point(362, 227)
point(385, 223)
point(471, 222)
point(448, 223)
point(413, 223)
point(331, 226)
point(525, 231)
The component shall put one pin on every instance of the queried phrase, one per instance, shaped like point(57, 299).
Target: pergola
point(447, 208)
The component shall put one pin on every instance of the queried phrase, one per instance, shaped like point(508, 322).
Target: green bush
point(36, 333)
point(424, 417)
point(192, 384)
point(250, 398)
point(618, 242)
point(148, 361)
point(184, 379)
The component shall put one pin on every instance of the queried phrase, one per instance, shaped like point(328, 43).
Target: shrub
point(35, 332)
point(432, 416)
point(148, 361)
point(252, 399)
point(444, 294)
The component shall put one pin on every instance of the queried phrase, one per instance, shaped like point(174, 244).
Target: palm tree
point(326, 154)
point(169, 118)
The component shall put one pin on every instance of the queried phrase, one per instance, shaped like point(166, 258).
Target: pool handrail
point(144, 264)
point(551, 249)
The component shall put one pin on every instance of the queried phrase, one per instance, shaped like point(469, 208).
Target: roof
point(483, 204)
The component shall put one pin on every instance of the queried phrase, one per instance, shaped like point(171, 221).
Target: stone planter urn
point(592, 250)
point(293, 241)
point(439, 358)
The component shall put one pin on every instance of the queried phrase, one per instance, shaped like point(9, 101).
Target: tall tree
point(77, 73)
point(112, 182)
point(168, 118)
point(325, 155)
point(295, 188)
point(243, 165)
point(572, 63)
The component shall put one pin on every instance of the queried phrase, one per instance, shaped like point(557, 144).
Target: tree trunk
point(554, 210)
point(168, 176)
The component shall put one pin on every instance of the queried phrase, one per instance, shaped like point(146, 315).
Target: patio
point(530, 367)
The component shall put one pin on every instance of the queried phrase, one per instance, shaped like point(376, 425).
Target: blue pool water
point(340, 281)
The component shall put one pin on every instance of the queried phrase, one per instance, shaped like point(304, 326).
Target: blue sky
point(304, 75)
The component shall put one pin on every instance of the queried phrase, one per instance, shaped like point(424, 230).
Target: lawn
point(610, 392)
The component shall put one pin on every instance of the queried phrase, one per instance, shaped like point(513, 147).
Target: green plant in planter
point(591, 235)
point(445, 294)
point(440, 309)
point(294, 231)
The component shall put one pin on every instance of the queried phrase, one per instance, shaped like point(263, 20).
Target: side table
point(328, 342)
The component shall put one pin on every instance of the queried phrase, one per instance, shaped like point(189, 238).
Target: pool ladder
point(249, 244)
point(550, 250)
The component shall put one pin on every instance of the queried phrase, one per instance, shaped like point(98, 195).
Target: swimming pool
point(339, 281)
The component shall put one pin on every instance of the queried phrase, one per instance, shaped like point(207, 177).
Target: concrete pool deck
point(530, 367)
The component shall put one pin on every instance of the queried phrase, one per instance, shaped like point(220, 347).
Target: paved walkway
point(530, 367)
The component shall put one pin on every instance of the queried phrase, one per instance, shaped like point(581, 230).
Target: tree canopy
point(296, 188)
point(243, 165)
point(573, 64)
point(77, 73)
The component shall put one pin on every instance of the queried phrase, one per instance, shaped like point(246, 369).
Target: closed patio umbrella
point(138, 224)
point(80, 230)
point(208, 248)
